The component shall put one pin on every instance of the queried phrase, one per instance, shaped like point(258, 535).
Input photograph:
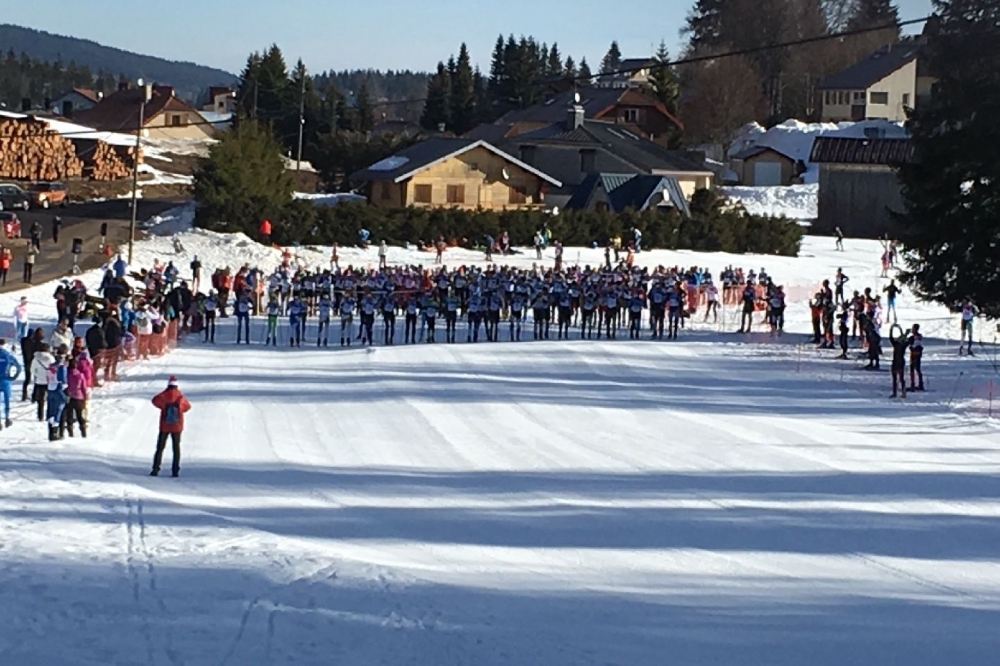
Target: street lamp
point(143, 98)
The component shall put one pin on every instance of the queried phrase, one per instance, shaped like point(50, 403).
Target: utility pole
point(302, 118)
point(135, 167)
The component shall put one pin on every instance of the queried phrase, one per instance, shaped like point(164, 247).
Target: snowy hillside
point(715, 501)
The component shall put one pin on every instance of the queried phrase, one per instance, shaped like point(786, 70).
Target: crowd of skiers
point(585, 302)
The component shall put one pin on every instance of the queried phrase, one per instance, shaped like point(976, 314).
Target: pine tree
point(612, 59)
point(704, 25)
point(664, 79)
point(570, 71)
point(584, 77)
point(497, 69)
point(462, 104)
point(272, 99)
point(438, 97)
point(484, 106)
point(365, 109)
point(554, 67)
point(872, 13)
point(242, 181)
point(952, 187)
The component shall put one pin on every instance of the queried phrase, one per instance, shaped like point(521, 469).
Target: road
point(79, 221)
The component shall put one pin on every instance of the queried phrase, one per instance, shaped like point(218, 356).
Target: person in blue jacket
point(10, 370)
point(119, 267)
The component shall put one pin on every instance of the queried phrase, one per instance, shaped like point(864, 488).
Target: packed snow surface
point(717, 500)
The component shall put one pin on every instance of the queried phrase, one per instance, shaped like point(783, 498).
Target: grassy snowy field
point(718, 500)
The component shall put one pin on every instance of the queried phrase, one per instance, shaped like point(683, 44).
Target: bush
point(712, 227)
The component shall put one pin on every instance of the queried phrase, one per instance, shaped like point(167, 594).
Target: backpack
point(172, 413)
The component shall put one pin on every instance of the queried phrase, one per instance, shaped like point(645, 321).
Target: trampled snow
point(711, 501)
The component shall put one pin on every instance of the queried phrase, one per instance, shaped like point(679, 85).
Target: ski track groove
point(161, 605)
point(244, 620)
point(133, 573)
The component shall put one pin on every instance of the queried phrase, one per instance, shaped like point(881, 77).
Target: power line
point(805, 41)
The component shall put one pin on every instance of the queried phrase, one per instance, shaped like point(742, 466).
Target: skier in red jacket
point(172, 405)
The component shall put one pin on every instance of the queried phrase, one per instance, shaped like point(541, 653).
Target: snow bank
point(798, 202)
point(163, 177)
point(325, 199)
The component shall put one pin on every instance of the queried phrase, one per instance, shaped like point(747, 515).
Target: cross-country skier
point(916, 356)
point(475, 309)
point(900, 344)
point(675, 310)
point(347, 307)
point(430, 316)
point(842, 318)
point(636, 305)
point(749, 299)
point(242, 307)
point(493, 305)
point(891, 291)
point(410, 321)
point(540, 309)
point(173, 406)
point(368, 307)
point(588, 307)
point(210, 308)
point(517, 306)
point(389, 318)
point(324, 310)
point(968, 315)
point(296, 321)
point(451, 305)
point(273, 312)
point(10, 370)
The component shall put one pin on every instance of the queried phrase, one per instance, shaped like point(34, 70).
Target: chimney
point(123, 84)
point(576, 116)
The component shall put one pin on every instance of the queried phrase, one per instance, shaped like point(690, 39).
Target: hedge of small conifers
point(714, 226)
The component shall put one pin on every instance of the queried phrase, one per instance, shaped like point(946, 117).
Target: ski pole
point(955, 388)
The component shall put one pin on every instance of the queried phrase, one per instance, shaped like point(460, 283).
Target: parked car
point(11, 225)
point(13, 197)
point(50, 194)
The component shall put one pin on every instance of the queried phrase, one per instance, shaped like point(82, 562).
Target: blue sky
point(383, 34)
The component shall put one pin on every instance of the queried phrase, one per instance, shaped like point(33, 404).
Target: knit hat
point(172, 382)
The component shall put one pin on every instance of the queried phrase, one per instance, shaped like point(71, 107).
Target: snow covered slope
point(550, 503)
point(709, 502)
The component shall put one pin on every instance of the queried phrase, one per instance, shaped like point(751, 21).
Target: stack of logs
point(29, 150)
point(102, 161)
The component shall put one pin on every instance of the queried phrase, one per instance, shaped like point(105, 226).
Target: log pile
point(29, 150)
point(104, 162)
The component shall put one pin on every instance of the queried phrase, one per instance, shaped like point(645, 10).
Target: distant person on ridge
point(172, 405)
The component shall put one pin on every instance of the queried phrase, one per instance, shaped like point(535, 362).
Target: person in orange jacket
point(172, 405)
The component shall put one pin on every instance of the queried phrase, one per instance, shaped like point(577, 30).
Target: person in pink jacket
point(78, 389)
point(86, 366)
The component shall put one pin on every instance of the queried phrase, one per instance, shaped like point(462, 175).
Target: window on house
point(386, 191)
point(880, 98)
point(175, 121)
point(518, 195)
point(906, 99)
point(456, 194)
point(859, 97)
point(422, 194)
point(630, 115)
point(844, 98)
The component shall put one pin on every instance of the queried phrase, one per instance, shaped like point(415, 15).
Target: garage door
point(767, 173)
